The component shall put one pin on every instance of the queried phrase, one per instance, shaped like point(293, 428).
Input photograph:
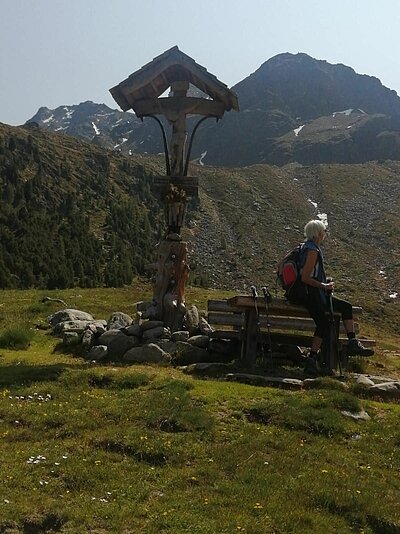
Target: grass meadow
point(99, 448)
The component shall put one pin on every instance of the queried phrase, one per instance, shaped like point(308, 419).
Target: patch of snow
point(117, 145)
point(349, 126)
point(345, 112)
point(321, 216)
point(69, 113)
point(48, 120)
point(393, 295)
point(130, 152)
point(97, 131)
point(124, 140)
point(298, 130)
point(382, 272)
point(203, 155)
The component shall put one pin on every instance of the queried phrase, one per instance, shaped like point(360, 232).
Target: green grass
point(111, 448)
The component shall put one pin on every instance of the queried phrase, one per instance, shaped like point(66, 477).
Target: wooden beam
point(189, 184)
point(171, 106)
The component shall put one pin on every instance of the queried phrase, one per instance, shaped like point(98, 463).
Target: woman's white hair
point(313, 228)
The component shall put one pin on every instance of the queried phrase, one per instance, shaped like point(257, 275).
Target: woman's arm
point(306, 278)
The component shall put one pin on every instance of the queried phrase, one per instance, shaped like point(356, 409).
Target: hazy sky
point(63, 52)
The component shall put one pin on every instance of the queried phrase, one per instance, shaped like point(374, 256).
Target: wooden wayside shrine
point(142, 92)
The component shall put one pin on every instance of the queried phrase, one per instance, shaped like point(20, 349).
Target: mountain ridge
point(286, 93)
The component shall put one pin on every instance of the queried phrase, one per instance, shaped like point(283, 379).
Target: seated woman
point(317, 291)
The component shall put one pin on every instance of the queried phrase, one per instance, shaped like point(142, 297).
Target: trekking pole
point(254, 295)
point(267, 300)
point(333, 341)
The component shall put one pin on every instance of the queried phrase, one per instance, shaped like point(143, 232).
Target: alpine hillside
point(76, 214)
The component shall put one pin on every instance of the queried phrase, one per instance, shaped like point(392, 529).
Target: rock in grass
point(70, 338)
point(156, 333)
point(204, 327)
point(187, 354)
point(117, 342)
point(118, 320)
point(259, 380)
point(98, 353)
point(357, 416)
point(180, 335)
point(213, 369)
point(69, 314)
point(133, 330)
point(365, 381)
point(149, 325)
point(192, 319)
point(388, 387)
point(199, 341)
point(150, 353)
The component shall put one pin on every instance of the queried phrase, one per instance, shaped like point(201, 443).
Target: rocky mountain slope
point(71, 204)
point(293, 109)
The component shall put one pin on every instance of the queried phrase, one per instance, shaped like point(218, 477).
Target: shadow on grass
point(25, 375)
point(153, 458)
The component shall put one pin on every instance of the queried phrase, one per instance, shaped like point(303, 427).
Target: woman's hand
point(328, 286)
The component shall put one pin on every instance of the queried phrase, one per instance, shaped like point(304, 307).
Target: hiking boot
point(311, 367)
point(356, 348)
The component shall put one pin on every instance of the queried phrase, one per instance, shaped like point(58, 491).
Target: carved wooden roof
point(153, 79)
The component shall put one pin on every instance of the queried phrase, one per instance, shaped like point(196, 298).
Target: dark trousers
point(318, 304)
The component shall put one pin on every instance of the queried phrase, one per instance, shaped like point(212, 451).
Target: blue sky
point(62, 52)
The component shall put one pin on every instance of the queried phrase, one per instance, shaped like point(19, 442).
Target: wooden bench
point(236, 318)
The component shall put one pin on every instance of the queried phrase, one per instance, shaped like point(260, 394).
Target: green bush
point(16, 337)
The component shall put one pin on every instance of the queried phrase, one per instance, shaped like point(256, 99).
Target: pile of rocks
point(140, 340)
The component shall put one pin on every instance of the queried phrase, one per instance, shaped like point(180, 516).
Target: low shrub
point(16, 337)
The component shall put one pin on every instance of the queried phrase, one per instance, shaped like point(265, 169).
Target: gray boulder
point(150, 353)
point(133, 330)
point(71, 338)
point(221, 346)
point(199, 341)
point(204, 327)
point(89, 337)
point(365, 381)
point(98, 353)
point(258, 380)
point(76, 326)
point(100, 326)
point(156, 333)
point(357, 416)
point(149, 325)
point(180, 335)
point(69, 314)
point(387, 387)
point(187, 354)
point(147, 309)
point(167, 345)
point(118, 343)
point(192, 319)
point(119, 320)
point(212, 369)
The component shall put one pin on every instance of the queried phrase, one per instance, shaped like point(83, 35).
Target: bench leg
point(249, 343)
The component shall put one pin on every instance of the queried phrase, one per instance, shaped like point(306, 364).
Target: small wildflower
point(324, 471)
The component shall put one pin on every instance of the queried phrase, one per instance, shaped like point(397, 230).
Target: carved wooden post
point(172, 264)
